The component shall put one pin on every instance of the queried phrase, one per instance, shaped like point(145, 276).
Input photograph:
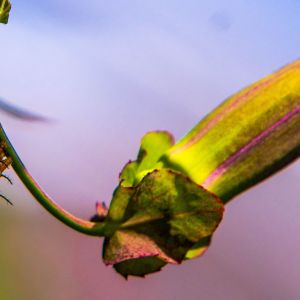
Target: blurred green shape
point(5, 7)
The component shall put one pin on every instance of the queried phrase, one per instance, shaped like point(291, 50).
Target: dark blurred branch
point(20, 113)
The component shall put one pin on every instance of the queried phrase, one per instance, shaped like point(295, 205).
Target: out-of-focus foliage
point(5, 7)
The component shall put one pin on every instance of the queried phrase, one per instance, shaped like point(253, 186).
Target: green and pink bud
point(250, 136)
point(247, 138)
point(170, 201)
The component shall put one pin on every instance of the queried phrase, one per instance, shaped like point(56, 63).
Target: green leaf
point(5, 7)
point(250, 136)
point(153, 145)
point(140, 267)
point(199, 248)
point(159, 221)
point(133, 253)
point(119, 203)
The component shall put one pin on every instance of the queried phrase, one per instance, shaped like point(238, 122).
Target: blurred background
point(105, 73)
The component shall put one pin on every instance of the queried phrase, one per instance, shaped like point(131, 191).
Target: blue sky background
point(106, 72)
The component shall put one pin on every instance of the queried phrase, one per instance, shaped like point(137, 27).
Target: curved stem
point(83, 226)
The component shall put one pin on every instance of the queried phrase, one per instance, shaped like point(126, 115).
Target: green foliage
point(153, 146)
point(5, 7)
point(162, 218)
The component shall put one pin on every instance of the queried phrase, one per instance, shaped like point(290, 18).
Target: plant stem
point(83, 226)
